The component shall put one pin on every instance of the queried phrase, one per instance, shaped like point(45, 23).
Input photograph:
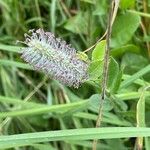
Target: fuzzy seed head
point(54, 57)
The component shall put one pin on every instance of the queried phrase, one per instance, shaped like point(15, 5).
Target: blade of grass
point(55, 108)
point(106, 118)
point(138, 81)
point(135, 76)
point(140, 117)
point(10, 48)
point(10, 100)
point(15, 64)
point(140, 13)
point(147, 143)
point(10, 141)
point(88, 144)
point(45, 109)
point(38, 12)
point(52, 14)
point(131, 95)
point(35, 19)
point(43, 146)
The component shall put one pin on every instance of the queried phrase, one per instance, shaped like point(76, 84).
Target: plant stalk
point(112, 15)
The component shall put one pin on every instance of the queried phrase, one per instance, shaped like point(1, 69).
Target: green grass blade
point(53, 15)
point(131, 95)
point(45, 109)
point(140, 13)
point(15, 64)
point(107, 118)
point(140, 116)
point(135, 76)
point(72, 134)
point(10, 48)
point(138, 81)
point(10, 100)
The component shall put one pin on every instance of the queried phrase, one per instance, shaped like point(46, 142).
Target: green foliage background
point(31, 102)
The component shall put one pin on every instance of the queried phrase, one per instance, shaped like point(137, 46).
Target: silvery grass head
point(54, 57)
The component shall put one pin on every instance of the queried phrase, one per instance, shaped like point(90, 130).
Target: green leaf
point(101, 8)
point(114, 76)
point(99, 51)
point(95, 69)
point(123, 29)
point(124, 4)
point(118, 52)
point(77, 24)
point(117, 82)
point(119, 105)
point(96, 66)
point(9, 141)
point(95, 103)
point(130, 63)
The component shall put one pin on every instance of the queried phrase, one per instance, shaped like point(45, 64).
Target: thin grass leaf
point(46, 109)
point(15, 64)
point(139, 13)
point(10, 48)
point(131, 95)
point(135, 76)
point(20, 102)
point(107, 118)
point(140, 116)
point(53, 15)
point(10, 141)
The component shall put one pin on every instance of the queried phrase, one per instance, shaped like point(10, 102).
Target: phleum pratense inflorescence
point(54, 57)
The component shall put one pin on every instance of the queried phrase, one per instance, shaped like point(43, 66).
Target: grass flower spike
point(54, 57)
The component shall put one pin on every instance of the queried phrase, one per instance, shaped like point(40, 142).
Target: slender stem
point(103, 36)
point(105, 71)
point(115, 9)
point(38, 12)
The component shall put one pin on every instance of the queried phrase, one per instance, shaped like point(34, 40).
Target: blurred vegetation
point(27, 96)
